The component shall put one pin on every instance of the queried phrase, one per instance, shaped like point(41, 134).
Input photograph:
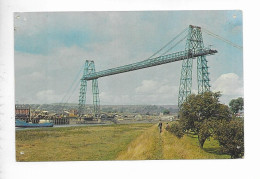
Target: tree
point(230, 136)
point(204, 132)
point(236, 105)
point(199, 112)
point(166, 111)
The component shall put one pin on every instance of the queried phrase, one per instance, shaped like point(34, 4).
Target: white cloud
point(148, 87)
point(229, 84)
point(149, 92)
point(155, 87)
point(164, 89)
point(36, 75)
point(118, 39)
point(48, 96)
point(156, 92)
point(109, 98)
point(104, 96)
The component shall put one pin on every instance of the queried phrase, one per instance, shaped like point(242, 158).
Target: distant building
point(23, 112)
point(73, 112)
point(240, 114)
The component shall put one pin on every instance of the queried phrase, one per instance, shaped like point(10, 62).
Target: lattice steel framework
point(194, 44)
point(88, 70)
point(194, 48)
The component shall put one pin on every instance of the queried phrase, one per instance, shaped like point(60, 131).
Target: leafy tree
point(236, 105)
point(166, 111)
point(231, 137)
point(200, 111)
point(204, 132)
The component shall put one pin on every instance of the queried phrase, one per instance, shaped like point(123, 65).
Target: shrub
point(177, 129)
point(230, 136)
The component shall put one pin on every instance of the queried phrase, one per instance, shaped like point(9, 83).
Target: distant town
point(67, 114)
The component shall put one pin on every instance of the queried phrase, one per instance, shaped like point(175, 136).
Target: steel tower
point(194, 44)
point(89, 69)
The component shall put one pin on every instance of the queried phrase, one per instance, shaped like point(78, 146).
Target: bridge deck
point(178, 56)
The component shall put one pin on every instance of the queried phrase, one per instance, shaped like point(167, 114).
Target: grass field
point(152, 145)
point(112, 142)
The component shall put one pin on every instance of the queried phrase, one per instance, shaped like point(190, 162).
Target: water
point(56, 126)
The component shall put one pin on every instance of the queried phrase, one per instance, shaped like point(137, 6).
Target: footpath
point(153, 145)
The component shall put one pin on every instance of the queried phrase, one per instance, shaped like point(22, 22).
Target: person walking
point(160, 126)
point(167, 126)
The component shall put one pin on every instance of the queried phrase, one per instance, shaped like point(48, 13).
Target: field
point(109, 142)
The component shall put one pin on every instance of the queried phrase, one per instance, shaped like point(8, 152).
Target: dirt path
point(151, 145)
point(143, 147)
point(148, 145)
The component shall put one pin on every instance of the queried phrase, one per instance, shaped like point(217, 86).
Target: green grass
point(111, 142)
point(211, 146)
point(147, 146)
point(153, 145)
point(75, 143)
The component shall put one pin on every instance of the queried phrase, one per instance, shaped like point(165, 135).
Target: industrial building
point(23, 112)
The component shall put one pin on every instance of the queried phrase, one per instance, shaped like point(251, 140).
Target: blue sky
point(51, 48)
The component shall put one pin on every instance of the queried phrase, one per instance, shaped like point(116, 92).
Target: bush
point(177, 129)
point(231, 137)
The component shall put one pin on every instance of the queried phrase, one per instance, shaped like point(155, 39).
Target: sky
point(50, 49)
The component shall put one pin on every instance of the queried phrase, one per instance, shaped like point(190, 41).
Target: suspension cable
point(221, 38)
point(175, 45)
point(168, 43)
point(75, 83)
point(73, 91)
point(71, 86)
